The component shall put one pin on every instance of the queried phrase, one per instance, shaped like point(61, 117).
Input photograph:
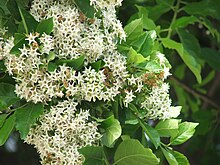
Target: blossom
point(128, 98)
point(61, 132)
point(158, 104)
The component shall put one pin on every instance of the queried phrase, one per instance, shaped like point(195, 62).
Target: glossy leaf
point(112, 132)
point(131, 151)
point(169, 157)
point(145, 43)
point(30, 24)
point(188, 59)
point(45, 26)
point(182, 22)
point(77, 64)
point(151, 133)
point(134, 29)
point(186, 131)
point(161, 8)
point(93, 155)
point(181, 159)
point(167, 128)
point(134, 58)
point(7, 95)
point(19, 42)
point(97, 65)
point(6, 129)
point(174, 157)
point(51, 66)
point(147, 22)
point(26, 116)
point(2, 119)
point(84, 6)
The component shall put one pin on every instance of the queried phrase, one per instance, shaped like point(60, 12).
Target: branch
point(194, 93)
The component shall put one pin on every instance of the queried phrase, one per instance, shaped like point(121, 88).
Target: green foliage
point(174, 157)
point(7, 128)
point(7, 96)
point(131, 151)
point(77, 64)
point(188, 59)
point(93, 155)
point(151, 133)
point(85, 7)
point(45, 26)
point(168, 128)
point(26, 116)
point(29, 23)
point(185, 131)
point(112, 132)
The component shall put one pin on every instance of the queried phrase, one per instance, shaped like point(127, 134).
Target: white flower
point(31, 38)
point(61, 132)
point(128, 98)
point(158, 104)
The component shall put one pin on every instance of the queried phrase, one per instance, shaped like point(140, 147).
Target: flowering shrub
point(83, 84)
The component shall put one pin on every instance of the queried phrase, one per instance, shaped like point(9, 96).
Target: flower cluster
point(158, 104)
point(61, 132)
point(66, 128)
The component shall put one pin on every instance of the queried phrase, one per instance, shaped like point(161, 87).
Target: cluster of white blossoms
point(158, 104)
point(75, 34)
point(60, 133)
point(63, 130)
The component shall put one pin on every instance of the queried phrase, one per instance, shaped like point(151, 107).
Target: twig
point(194, 93)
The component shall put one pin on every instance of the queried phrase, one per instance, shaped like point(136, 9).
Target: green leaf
point(134, 58)
point(93, 155)
point(18, 37)
point(212, 57)
point(186, 131)
point(181, 159)
point(151, 66)
point(2, 119)
point(182, 22)
point(51, 66)
point(145, 43)
point(76, 64)
point(188, 59)
point(147, 22)
point(97, 65)
point(85, 8)
point(13, 9)
point(134, 29)
point(30, 24)
point(169, 157)
point(204, 8)
point(6, 129)
point(167, 128)
point(45, 26)
point(151, 133)
point(174, 157)
point(112, 131)
point(51, 56)
point(163, 7)
point(26, 116)
point(133, 152)
point(19, 42)
point(7, 95)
